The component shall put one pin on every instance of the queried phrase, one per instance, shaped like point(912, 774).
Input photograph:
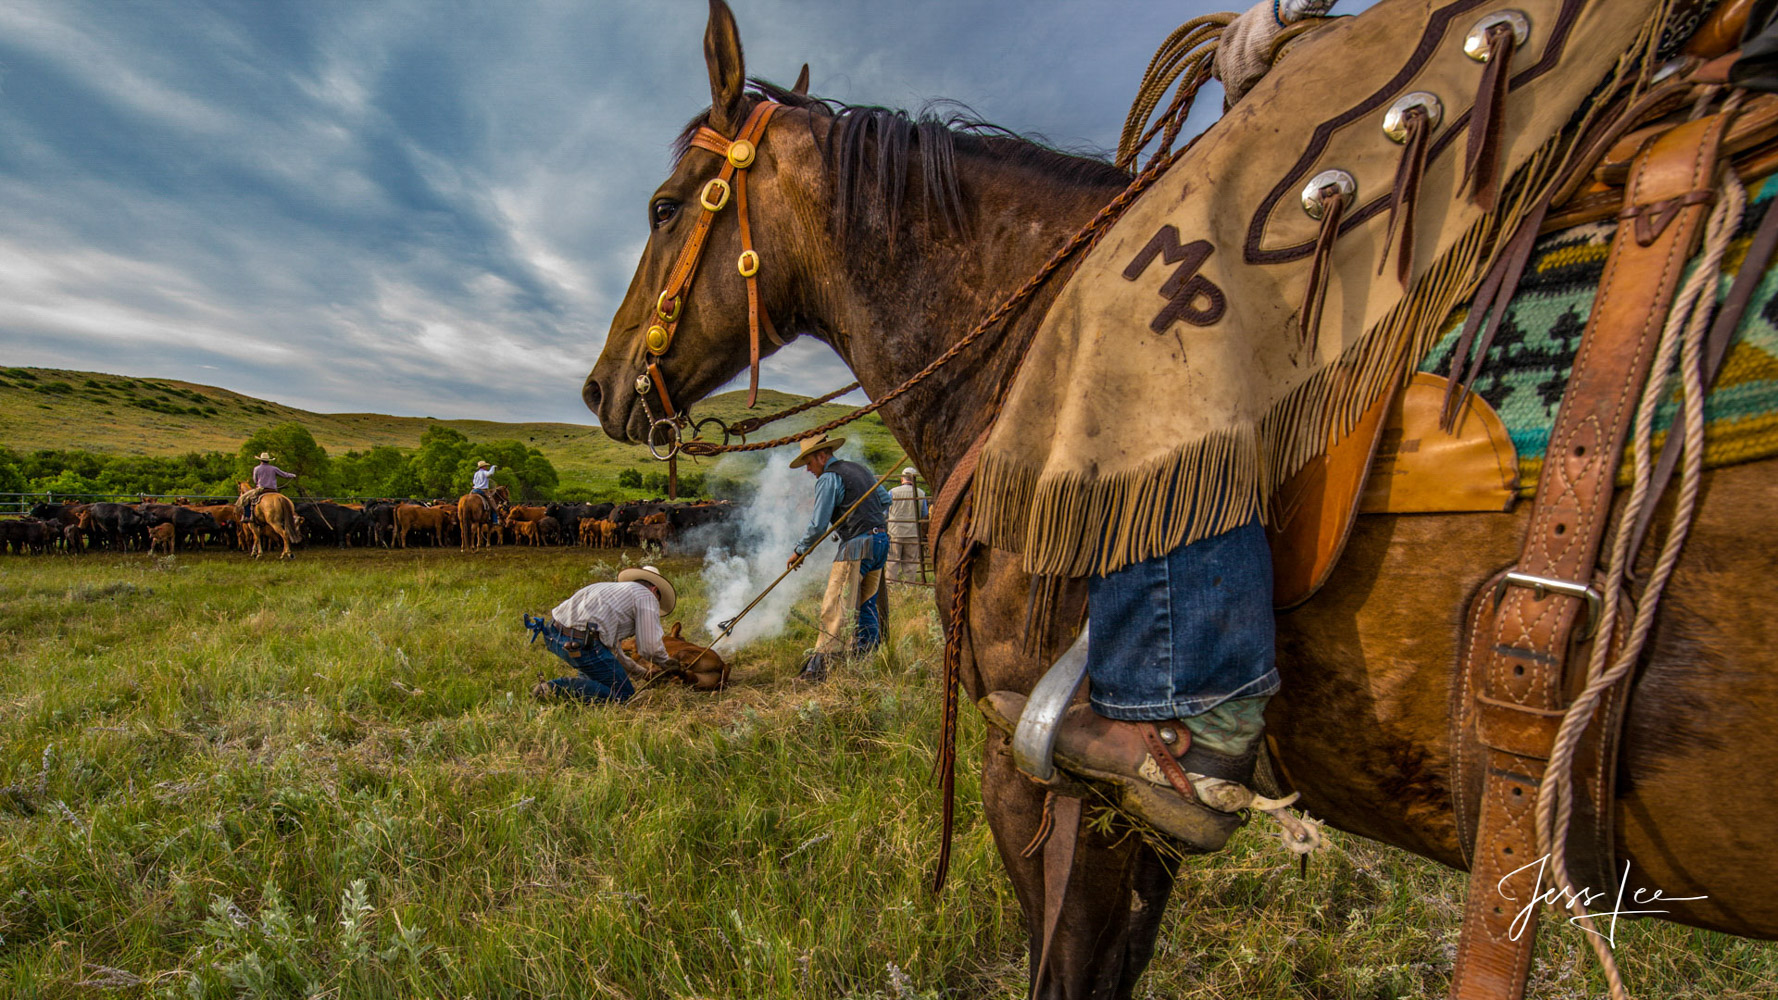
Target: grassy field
point(116, 414)
point(325, 778)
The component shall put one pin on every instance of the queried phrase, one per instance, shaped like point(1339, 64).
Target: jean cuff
point(1181, 708)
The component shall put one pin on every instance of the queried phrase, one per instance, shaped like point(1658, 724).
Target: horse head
point(879, 232)
point(718, 218)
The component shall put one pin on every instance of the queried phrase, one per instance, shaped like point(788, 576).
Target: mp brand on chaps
point(854, 212)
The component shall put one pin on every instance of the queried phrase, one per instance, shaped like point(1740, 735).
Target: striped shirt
point(617, 611)
point(266, 476)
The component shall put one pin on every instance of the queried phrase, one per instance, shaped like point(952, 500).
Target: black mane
point(869, 152)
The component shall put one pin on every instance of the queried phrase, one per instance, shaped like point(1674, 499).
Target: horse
point(477, 516)
point(274, 516)
point(879, 232)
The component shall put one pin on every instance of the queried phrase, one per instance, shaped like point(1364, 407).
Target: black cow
point(330, 523)
point(121, 524)
point(187, 523)
point(24, 535)
point(568, 516)
point(381, 514)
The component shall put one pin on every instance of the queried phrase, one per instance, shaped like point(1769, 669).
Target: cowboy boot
point(1192, 794)
point(814, 669)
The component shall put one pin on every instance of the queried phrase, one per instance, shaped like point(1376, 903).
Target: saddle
point(251, 502)
point(1528, 634)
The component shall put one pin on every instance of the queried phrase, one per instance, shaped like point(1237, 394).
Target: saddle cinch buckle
point(1034, 739)
point(1543, 586)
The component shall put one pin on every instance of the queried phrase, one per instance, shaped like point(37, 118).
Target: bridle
point(738, 155)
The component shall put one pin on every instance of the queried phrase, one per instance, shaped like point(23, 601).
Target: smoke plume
point(769, 528)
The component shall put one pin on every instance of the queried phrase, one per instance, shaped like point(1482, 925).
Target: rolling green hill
point(121, 415)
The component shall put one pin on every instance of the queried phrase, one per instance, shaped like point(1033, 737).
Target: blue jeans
point(870, 624)
point(601, 677)
point(1177, 635)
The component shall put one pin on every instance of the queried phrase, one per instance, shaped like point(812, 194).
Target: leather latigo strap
point(1522, 630)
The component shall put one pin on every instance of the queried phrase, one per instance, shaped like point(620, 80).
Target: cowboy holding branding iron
point(585, 631)
point(857, 571)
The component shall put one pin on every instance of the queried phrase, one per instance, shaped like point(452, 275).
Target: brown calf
point(163, 537)
point(703, 670)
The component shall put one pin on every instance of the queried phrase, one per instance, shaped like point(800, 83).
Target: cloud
point(427, 209)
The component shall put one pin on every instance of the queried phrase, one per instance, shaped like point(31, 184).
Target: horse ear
point(728, 76)
point(802, 82)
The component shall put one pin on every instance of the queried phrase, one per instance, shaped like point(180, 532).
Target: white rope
point(1684, 332)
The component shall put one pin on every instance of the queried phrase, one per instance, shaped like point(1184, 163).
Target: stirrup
point(1034, 739)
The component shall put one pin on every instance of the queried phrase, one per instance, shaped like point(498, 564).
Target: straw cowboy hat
point(648, 574)
point(812, 446)
point(910, 473)
point(264, 456)
point(481, 464)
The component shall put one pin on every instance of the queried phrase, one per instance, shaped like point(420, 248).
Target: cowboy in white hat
point(265, 480)
point(908, 507)
point(855, 581)
point(585, 631)
point(481, 484)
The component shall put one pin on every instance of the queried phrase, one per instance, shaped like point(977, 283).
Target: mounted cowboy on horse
point(265, 511)
point(479, 510)
point(1177, 440)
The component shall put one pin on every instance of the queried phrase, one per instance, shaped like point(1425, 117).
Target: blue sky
point(433, 208)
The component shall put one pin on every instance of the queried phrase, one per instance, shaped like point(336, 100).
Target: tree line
point(440, 467)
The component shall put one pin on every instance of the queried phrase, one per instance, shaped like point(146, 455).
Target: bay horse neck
point(889, 304)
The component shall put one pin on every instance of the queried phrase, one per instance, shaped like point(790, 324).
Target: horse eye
point(662, 212)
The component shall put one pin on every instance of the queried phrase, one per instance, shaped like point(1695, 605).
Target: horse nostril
point(589, 393)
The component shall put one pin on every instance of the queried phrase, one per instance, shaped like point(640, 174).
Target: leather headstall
point(730, 183)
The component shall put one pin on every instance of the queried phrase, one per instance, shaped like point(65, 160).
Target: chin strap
point(737, 155)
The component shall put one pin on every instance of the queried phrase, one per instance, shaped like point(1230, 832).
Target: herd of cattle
point(154, 527)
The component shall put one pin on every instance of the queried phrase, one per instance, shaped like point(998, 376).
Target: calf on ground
point(163, 537)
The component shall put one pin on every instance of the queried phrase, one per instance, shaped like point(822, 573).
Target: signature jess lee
point(1556, 895)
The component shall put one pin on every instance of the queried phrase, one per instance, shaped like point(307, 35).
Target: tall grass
point(326, 778)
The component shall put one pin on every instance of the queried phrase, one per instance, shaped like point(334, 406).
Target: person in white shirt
point(907, 508)
point(482, 481)
point(585, 631)
point(482, 485)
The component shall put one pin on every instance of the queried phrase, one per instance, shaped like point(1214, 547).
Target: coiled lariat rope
point(1683, 334)
point(1188, 53)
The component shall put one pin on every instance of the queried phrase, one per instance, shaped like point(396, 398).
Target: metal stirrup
point(1034, 741)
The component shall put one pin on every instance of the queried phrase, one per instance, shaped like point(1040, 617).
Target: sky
point(433, 207)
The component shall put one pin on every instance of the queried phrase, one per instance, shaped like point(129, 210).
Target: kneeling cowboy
point(864, 547)
point(585, 631)
point(265, 480)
